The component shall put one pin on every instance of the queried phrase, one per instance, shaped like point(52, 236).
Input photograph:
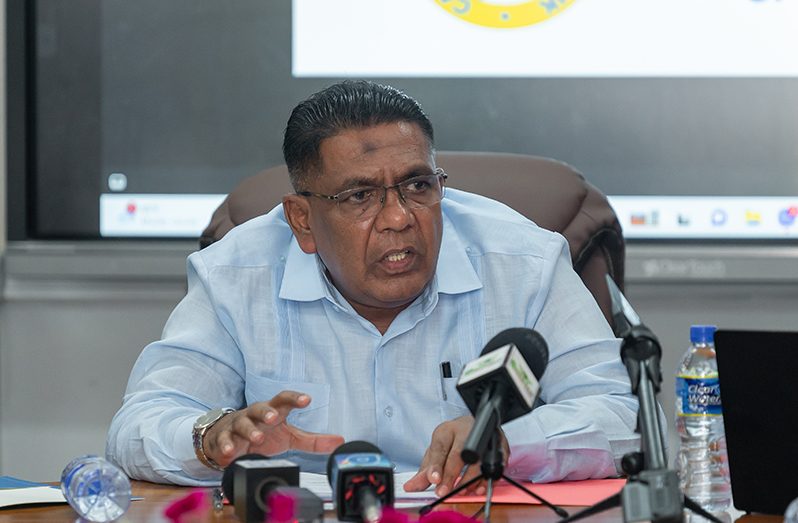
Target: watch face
point(208, 418)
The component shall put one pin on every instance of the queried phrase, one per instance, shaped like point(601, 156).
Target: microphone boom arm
point(652, 492)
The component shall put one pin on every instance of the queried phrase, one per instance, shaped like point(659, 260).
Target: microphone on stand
point(652, 491)
point(361, 477)
point(501, 385)
point(641, 354)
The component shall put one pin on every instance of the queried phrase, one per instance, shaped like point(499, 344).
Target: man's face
point(383, 262)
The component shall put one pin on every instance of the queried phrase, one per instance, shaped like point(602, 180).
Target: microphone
point(258, 486)
point(501, 385)
point(228, 483)
point(361, 477)
point(641, 354)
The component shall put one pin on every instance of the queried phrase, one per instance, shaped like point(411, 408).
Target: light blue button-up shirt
point(260, 316)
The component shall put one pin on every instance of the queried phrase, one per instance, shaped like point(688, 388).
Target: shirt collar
point(455, 274)
point(304, 279)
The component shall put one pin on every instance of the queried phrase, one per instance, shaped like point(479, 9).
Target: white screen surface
point(556, 38)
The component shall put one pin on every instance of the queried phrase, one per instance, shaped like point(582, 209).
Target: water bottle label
point(698, 396)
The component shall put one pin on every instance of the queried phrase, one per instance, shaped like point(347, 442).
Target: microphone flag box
point(503, 365)
point(358, 470)
point(255, 479)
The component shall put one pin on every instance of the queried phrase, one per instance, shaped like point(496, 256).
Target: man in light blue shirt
point(329, 318)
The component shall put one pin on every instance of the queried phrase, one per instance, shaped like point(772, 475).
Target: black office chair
point(552, 194)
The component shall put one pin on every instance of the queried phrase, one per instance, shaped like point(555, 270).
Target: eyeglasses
point(361, 203)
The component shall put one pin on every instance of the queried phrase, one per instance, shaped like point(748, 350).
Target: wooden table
point(157, 497)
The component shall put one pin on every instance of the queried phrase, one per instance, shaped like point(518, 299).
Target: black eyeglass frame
point(337, 198)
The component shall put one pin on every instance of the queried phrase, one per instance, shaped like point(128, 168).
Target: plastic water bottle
point(791, 514)
point(97, 489)
point(701, 462)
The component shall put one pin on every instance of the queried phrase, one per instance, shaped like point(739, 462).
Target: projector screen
point(546, 38)
point(146, 113)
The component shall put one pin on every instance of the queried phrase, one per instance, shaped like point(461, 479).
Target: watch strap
point(198, 436)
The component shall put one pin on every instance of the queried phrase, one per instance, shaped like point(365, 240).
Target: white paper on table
point(30, 495)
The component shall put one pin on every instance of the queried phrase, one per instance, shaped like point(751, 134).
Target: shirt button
point(388, 411)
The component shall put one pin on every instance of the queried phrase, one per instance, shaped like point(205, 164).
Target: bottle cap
point(702, 333)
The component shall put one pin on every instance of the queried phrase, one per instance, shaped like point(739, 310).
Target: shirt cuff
point(528, 453)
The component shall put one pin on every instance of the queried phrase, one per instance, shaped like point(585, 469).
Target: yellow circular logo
point(504, 14)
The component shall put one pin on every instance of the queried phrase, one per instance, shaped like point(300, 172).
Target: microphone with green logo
point(501, 385)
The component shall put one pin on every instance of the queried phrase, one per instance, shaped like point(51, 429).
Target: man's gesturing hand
point(262, 428)
point(442, 463)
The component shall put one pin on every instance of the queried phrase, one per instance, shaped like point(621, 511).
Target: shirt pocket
point(452, 405)
point(313, 418)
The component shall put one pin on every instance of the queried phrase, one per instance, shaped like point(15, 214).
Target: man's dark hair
point(345, 105)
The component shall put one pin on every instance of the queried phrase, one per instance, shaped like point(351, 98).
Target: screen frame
point(20, 82)
point(21, 145)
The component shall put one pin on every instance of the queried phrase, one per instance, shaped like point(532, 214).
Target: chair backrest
point(552, 194)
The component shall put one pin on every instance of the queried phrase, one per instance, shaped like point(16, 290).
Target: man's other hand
point(261, 428)
point(442, 463)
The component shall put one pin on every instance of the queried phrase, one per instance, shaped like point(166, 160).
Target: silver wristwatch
point(201, 426)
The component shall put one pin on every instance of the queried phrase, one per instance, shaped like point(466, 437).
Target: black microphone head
point(227, 476)
point(530, 344)
point(350, 447)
